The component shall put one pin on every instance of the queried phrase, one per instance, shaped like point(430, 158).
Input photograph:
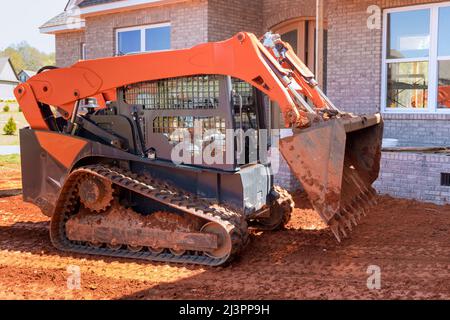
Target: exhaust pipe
point(337, 161)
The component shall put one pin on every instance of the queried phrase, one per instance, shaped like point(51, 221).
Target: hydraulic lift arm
point(268, 64)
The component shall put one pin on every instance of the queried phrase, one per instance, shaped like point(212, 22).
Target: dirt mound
point(407, 240)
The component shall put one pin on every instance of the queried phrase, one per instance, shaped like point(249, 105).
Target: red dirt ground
point(408, 240)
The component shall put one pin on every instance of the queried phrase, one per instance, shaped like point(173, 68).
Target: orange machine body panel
point(62, 148)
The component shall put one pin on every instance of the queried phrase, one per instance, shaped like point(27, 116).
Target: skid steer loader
point(98, 157)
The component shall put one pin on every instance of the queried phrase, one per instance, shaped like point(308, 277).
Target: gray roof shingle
point(65, 17)
point(88, 3)
point(59, 20)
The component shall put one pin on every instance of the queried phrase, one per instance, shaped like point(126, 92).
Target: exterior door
point(300, 34)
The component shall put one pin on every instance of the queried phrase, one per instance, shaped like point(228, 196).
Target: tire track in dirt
point(406, 241)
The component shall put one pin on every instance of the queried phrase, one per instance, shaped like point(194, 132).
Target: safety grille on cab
point(195, 92)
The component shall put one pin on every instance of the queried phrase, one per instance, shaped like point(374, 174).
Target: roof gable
point(7, 72)
point(73, 17)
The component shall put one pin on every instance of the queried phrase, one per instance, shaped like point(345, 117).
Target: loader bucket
point(337, 162)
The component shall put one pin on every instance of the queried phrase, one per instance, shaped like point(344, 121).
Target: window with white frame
point(416, 59)
point(143, 39)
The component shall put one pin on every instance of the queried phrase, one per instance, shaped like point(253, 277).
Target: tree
point(15, 57)
point(23, 56)
point(10, 127)
point(6, 108)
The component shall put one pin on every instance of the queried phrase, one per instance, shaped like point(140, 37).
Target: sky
point(21, 19)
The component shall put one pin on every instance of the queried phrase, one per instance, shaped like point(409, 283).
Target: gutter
point(78, 26)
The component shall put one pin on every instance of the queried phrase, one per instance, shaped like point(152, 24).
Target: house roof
point(87, 3)
point(7, 72)
point(67, 20)
point(72, 19)
point(60, 19)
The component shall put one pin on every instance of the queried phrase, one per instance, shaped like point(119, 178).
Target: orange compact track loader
point(115, 151)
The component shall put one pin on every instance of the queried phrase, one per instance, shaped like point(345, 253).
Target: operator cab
point(198, 120)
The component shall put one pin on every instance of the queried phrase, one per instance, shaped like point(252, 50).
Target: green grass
point(18, 117)
point(10, 159)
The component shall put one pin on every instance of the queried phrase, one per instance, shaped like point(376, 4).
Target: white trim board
point(122, 5)
point(79, 26)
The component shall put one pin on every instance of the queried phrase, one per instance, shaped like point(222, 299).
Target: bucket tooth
point(354, 208)
point(371, 193)
point(355, 217)
point(335, 229)
point(351, 216)
point(363, 196)
point(364, 212)
point(368, 198)
point(365, 206)
point(361, 202)
point(347, 223)
point(355, 214)
point(357, 206)
point(343, 231)
point(374, 200)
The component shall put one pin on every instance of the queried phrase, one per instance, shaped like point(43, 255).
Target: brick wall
point(68, 48)
point(418, 130)
point(414, 176)
point(284, 177)
point(354, 54)
point(188, 21)
point(354, 57)
point(277, 11)
point(354, 71)
point(226, 18)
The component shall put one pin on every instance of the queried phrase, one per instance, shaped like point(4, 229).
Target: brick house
point(391, 56)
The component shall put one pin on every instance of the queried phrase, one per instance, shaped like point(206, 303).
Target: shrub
point(10, 127)
point(6, 108)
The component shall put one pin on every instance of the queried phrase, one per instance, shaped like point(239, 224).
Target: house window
point(416, 59)
point(143, 39)
point(444, 59)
